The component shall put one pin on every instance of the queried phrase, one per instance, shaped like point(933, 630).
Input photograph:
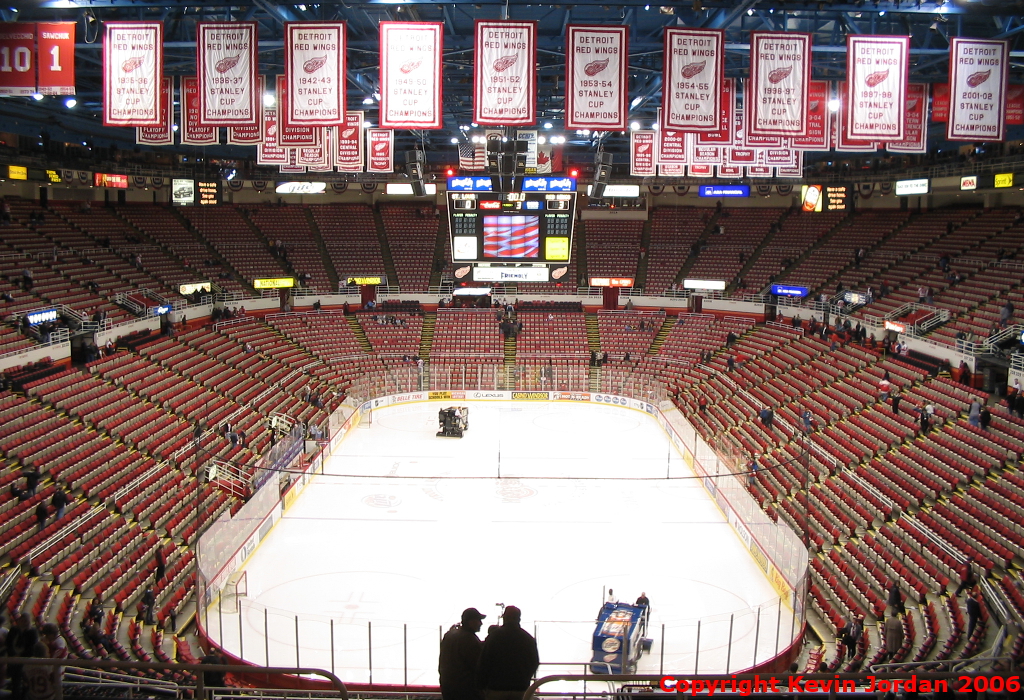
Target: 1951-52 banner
point(133, 63)
point(410, 74)
point(694, 70)
point(595, 77)
point(977, 86)
point(780, 69)
point(227, 72)
point(504, 73)
point(876, 77)
point(314, 69)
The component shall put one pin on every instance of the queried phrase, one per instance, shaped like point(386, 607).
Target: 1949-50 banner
point(595, 77)
point(876, 78)
point(227, 72)
point(780, 69)
point(977, 86)
point(504, 73)
point(410, 74)
point(315, 73)
point(694, 70)
point(133, 63)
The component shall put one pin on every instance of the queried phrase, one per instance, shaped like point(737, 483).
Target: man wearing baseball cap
point(460, 654)
point(509, 659)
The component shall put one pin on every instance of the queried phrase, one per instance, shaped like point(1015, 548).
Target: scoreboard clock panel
point(511, 226)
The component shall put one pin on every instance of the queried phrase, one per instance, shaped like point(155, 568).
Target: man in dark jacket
point(508, 660)
point(460, 655)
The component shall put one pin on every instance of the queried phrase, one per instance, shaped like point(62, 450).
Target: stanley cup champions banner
point(597, 58)
point(977, 87)
point(504, 73)
point(876, 77)
point(780, 70)
point(227, 72)
point(133, 63)
point(694, 71)
point(410, 74)
point(314, 70)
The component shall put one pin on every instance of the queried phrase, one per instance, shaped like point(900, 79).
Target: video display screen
point(511, 236)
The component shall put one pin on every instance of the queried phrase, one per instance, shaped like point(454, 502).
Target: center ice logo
point(381, 500)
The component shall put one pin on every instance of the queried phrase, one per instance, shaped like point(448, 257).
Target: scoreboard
point(534, 224)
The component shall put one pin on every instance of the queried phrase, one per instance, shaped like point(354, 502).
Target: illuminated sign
point(108, 180)
point(193, 287)
point(470, 291)
point(855, 298)
point(303, 188)
point(510, 274)
point(620, 191)
point(908, 187)
point(894, 326)
point(274, 283)
point(469, 184)
point(969, 183)
point(724, 191)
point(718, 285)
point(530, 184)
point(810, 197)
point(54, 177)
point(17, 172)
point(183, 191)
point(37, 317)
point(1004, 180)
point(611, 281)
point(556, 248)
point(490, 204)
point(789, 290)
point(406, 188)
point(370, 280)
point(209, 192)
point(161, 310)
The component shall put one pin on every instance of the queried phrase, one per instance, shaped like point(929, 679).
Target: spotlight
point(70, 102)
point(269, 100)
point(36, 96)
point(833, 105)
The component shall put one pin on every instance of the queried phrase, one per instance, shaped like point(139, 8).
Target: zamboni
point(452, 421)
point(619, 638)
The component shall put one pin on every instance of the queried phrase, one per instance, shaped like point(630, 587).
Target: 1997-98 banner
point(876, 75)
point(226, 68)
point(133, 65)
point(410, 74)
point(504, 73)
point(977, 85)
point(595, 77)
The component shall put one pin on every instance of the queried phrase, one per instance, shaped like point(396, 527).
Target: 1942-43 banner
point(977, 84)
point(595, 77)
point(410, 74)
point(504, 73)
point(227, 71)
point(315, 73)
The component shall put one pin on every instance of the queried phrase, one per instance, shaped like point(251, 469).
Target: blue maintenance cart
point(619, 638)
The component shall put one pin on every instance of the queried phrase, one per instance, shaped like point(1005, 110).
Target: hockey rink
point(540, 505)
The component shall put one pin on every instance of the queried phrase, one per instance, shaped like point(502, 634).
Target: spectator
point(974, 413)
point(893, 635)
point(985, 418)
point(1006, 313)
point(59, 501)
point(922, 294)
point(161, 563)
point(767, 416)
point(32, 477)
point(896, 396)
point(895, 599)
point(508, 659)
point(808, 420)
point(973, 613)
point(967, 578)
point(884, 387)
point(41, 682)
point(213, 679)
point(851, 635)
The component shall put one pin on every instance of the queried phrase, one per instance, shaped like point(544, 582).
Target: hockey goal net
point(236, 588)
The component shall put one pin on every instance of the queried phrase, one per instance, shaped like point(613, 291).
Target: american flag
point(472, 156)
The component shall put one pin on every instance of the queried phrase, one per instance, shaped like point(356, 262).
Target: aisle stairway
point(509, 365)
point(357, 329)
point(427, 337)
point(594, 344)
point(666, 327)
point(332, 272)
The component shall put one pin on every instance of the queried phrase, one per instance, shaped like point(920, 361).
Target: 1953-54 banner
point(595, 77)
point(381, 147)
point(504, 73)
point(977, 87)
point(227, 70)
point(410, 74)
point(694, 70)
point(314, 69)
point(780, 69)
point(133, 63)
point(876, 78)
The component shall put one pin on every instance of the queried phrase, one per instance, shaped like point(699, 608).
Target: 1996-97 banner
point(876, 76)
point(694, 71)
point(595, 77)
point(977, 85)
point(780, 67)
point(226, 68)
point(504, 74)
point(314, 59)
point(410, 74)
point(133, 64)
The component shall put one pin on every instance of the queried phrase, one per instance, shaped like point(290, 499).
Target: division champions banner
point(504, 74)
point(876, 75)
point(642, 151)
point(915, 139)
point(227, 72)
point(162, 135)
point(597, 58)
point(348, 152)
point(314, 69)
point(133, 63)
point(692, 87)
point(780, 69)
point(977, 89)
point(410, 74)
point(191, 131)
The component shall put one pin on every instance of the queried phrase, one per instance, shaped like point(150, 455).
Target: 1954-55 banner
point(876, 78)
point(410, 74)
point(504, 73)
point(780, 69)
point(977, 86)
point(314, 60)
point(227, 72)
point(595, 77)
point(133, 63)
point(694, 70)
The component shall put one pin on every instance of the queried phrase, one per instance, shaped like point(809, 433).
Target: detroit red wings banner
point(227, 70)
point(915, 140)
point(162, 135)
point(724, 136)
point(192, 132)
point(268, 152)
point(876, 77)
point(504, 74)
point(314, 69)
point(694, 71)
point(1014, 105)
point(840, 138)
point(977, 89)
point(56, 51)
point(595, 77)
point(133, 63)
point(818, 132)
point(380, 144)
point(940, 102)
point(642, 148)
point(780, 70)
point(292, 135)
point(348, 152)
point(410, 74)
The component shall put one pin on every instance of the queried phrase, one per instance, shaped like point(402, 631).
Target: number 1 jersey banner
point(977, 86)
point(382, 151)
point(876, 77)
point(780, 68)
point(410, 74)
point(314, 69)
point(595, 77)
point(133, 63)
point(694, 71)
point(504, 73)
point(56, 51)
point(227, 71)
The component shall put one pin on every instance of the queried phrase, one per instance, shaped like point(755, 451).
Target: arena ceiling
point(930, 23)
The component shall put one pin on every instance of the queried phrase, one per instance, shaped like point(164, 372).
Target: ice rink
point(404, 530)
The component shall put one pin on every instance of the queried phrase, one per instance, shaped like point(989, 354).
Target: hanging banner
point(642, 146)
point(1014, 105)
point(782, 157)
point(977, 85)
point(348, 152)
point(410, 74)
point(17, 59)
point(133, 63)
point(56, 52)
point(780, 69)
point(595, 77)
point(695, 170)
point(694, 71)
point(292, 135)
point(940, 102)
point(724, 135)
point(671, 145)
point(314, 157)
point(191, 131)
point(226, 66)
point(817, 138)
point(730, 171)
point(250, 135)
point(268, 152)
point(314, 68)
point(669, 170)
point(162, 135)
point(795, 171)
point(381, 149)
point(915, 140)
point(549, 159)
point(707, 155)
point(876, 72)
point(839, 125)
point(504, 73)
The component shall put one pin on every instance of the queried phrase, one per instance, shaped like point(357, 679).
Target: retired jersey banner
point(596, 84)
point(381, 149)
point(915, 140)
point(269, 152)
point(348, 152)
point(817, 138)
point(192, 132)
point(694, 73)
point(504, 73)
point(410, 74)
point(977, 87)
point(314, 67)
point(17, 59)
point(226, 65)
point(162, 135)
point(876, 75)
point(724, 136)
point(642, 147)
point(133, 63)
point(780, 70)
point(56, 52)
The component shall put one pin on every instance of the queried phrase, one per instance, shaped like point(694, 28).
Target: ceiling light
point(634, 125)
point(541, 140)
point(547, 125)
point(269, 100)
point(70, 102)
point(455, 139)
point(36, 96)
point(834, 105)
point(367, 100)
